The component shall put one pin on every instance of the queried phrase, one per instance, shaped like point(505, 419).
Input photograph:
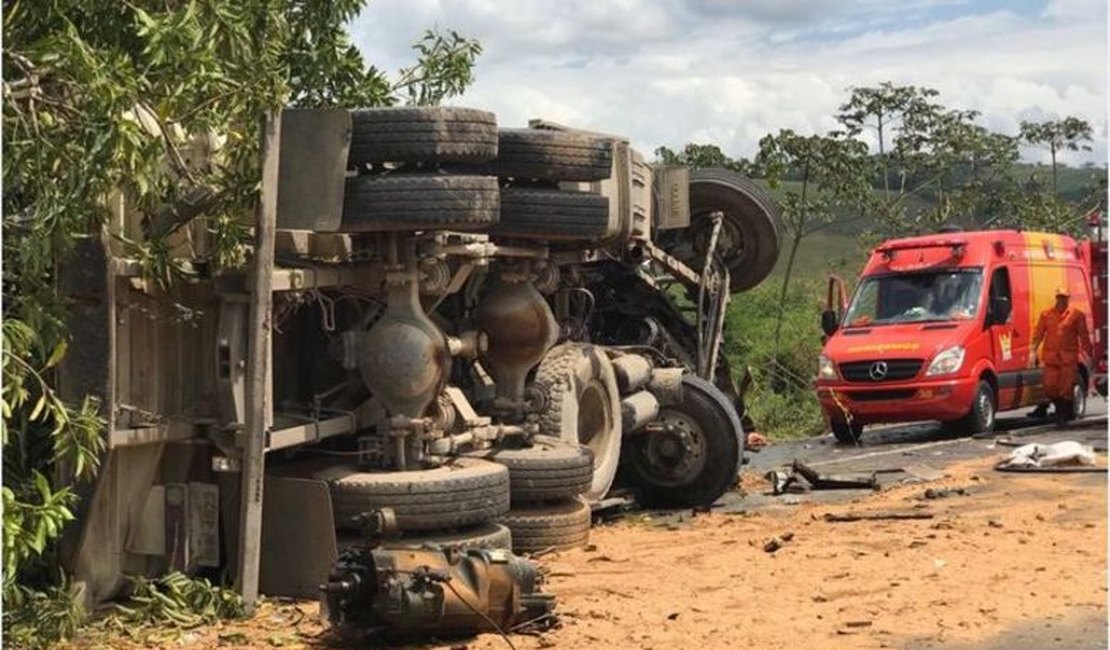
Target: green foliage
point(698, 156)
point(175, 599)
point(444, 68)
point(781, 402)
point(37, 619)
point(833, 173)
point(1068, 134)
point(104, 101)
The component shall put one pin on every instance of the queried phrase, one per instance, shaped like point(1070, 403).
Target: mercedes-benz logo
point(878, 370)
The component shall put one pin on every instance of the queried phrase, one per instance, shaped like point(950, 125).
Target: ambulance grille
point(881, 395)
point(896, 370)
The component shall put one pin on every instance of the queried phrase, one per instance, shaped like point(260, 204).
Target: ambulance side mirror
point(999, 311)
point(829, 322)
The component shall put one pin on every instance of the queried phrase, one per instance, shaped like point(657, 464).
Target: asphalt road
point(891, 451)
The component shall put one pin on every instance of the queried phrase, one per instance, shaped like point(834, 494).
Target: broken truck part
point(386, 588)
point(403, 593)
point(442, 291)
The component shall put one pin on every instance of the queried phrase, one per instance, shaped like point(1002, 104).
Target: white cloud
point(666, 72)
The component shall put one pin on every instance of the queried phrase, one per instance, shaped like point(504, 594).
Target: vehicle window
point(916, 297)
point(1000, 285)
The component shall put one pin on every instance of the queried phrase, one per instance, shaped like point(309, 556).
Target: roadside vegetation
point(100, 99)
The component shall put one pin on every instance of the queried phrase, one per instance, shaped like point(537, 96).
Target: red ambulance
point(940, 326)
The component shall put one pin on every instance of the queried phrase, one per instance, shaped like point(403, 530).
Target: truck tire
point(435, 134)
point(463, 492)
point(698, 459)
point(543, 154)
point(750, 233)
point(847, 434)
point(549, 470)
point(582, 406)
point(560, 526)
point(488, 535)
point(555, 215)
point(408, 202)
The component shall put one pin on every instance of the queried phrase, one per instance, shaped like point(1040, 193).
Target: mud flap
point(312, 168)
point(298, 537)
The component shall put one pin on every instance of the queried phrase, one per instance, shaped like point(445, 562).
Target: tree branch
point(196, 200)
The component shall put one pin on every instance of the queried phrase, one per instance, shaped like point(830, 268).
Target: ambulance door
point(999, 322)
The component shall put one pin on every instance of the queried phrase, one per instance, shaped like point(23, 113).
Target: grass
point(782, 402)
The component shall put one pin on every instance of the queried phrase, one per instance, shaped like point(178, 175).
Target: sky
point(727, 72)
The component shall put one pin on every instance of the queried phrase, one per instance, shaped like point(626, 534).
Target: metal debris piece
point(876, 516)
point(834, 482)
point(780, 479)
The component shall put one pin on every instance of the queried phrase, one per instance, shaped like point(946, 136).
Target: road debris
point(944, 493)
point(876, 516)
point(372, 591)
point(755, 441)
point(923, 472)
point(834, 482)
point(785, 479)
point(775, 543)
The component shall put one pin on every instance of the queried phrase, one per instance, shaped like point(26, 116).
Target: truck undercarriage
point(476, 328)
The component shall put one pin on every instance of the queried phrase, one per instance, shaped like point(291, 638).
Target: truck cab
point(940, 328)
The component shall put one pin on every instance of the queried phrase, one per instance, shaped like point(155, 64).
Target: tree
point(832, 175)
point(97, 95)
point(1068, 134)
point(698, 156)
point(888, 111)
point(936, 165)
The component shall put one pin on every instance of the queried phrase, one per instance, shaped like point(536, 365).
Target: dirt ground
point(1018, 555)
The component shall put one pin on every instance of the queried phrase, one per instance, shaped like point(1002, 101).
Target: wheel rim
point(677, 454)
point(594, 419)
point(986, 407)
point(730, 242)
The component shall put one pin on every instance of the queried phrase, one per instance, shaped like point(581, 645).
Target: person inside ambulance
point(1063, 329)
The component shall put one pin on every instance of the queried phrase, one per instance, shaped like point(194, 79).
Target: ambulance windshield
point(933, 296)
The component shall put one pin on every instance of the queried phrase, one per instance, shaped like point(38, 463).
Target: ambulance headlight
point(947, 362)
point(826, 369)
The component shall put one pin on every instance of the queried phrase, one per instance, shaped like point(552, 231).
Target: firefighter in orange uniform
point(1064, 332)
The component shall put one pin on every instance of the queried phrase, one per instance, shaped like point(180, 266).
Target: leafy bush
point(36, 619)
point(781, 401)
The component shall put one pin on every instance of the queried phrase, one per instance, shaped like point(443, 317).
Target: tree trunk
point(882, 157)
point(1052, 148)
point(798, 234)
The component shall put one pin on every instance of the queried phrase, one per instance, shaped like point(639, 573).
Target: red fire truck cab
point(940, 326)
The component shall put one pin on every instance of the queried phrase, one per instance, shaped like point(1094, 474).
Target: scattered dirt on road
point(1013, 550)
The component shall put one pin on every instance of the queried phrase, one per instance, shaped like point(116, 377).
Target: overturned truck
point(480, 329)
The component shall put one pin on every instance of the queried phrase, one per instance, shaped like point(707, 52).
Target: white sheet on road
point(1060, 454)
